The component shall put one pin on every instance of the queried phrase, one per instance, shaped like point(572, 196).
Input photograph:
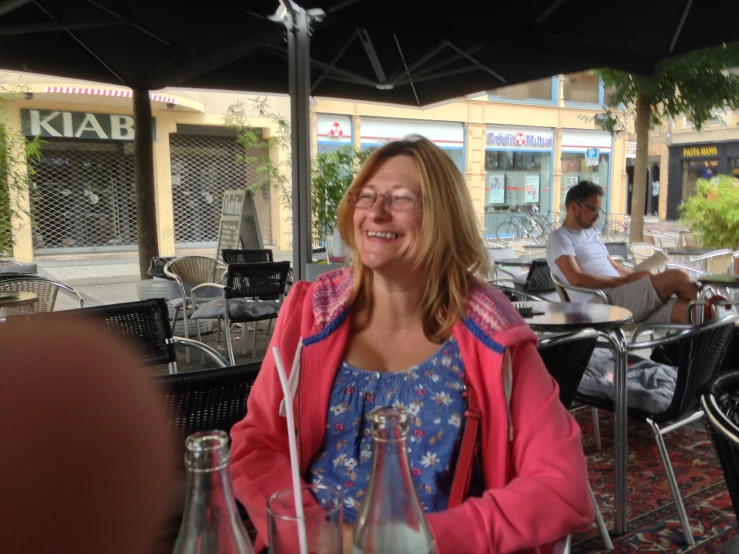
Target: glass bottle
point(391, 519)
point(210, 522)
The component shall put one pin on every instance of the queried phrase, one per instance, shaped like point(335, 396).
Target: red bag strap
point(463, 471)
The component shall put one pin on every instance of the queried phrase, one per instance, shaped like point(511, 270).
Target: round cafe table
point(517, 262)
point(561, 317)
point(16, 299)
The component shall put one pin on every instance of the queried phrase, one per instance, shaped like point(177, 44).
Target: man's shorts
point(641, 299)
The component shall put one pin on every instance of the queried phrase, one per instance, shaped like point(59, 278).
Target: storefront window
point(517, 180)
point(697, 169)
point(457, 156)
point(735, 167)
point(581, 88)
point(575, 169)
point(533, 90)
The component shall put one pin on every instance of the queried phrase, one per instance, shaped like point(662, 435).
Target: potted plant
point(712, 213)
point(332, 174)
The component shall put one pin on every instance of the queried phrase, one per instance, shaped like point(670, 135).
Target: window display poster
point(496, 188)
point(531, 187)
point(595, 179)
point(570, 181)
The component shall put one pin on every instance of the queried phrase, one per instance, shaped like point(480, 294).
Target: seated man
point(577, 256)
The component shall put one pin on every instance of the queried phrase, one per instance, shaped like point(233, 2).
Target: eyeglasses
point(593, 209)
point(395, 200)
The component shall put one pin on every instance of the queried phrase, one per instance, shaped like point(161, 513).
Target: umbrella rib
point(11, 5)
point(477, 63)
point(446, 62)
point(369, 48)
point(53, 27)
point(410, 79)
point(335, 60)
point(353, 77)
point(680, 25)
point(132, 23)
point(434, 76)
point(80, 42)
point(398, 74)
point(550, 10)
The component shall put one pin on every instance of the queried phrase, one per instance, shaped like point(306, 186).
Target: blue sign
point(591, 153)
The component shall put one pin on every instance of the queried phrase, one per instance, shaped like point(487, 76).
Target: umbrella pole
point(298, 23)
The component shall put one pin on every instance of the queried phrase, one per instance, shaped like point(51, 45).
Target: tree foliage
point(331, 176)
point(15, 170)
point(258, 149)
point(694, 84)
point(713, 212)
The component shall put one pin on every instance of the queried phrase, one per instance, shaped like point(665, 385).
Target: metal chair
point(720, 402)
point(640, 251)
point(45, 289)
point(716, 262)
point(701, 350)
point(247, 256)
point(144, 325)
point(562, 288)
point(191, 272)
point(9, 263)
point(201, 401)
point(252, 281)
point(566, 358)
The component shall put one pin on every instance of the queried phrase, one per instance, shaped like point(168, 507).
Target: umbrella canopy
point(405, 52)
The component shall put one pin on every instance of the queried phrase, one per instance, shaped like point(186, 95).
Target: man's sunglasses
point(593, 209)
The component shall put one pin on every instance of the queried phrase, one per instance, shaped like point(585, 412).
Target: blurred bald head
point(85, 457)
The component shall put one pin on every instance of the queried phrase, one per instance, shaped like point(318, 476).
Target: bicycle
point(525, 227)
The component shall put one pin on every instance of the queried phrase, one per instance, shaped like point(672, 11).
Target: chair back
point(204, 400)
point(566, 358)
point(194, 270)
point(561, 291)
point(539, 278)
point(143, 325)
point(720, 402)
point(699, 358)
point(619, 249)
point(256, 280)
point(45, 289)
point(247, 256)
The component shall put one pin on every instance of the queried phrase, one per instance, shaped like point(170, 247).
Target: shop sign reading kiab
point(83, 125)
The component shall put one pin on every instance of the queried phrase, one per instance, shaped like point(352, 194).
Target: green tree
point(257, 149)
point(713, 212)
point(694, 84)
point(331, 176)
point(15, 170)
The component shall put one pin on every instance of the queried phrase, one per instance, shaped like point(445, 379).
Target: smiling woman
point(413, 326)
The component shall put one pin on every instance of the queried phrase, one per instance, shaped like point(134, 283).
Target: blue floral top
point(430, 392)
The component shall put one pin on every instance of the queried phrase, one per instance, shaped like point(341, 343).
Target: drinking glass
point(323, 523)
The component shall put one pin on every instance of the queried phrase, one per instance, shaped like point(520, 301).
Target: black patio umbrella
point(404, 52)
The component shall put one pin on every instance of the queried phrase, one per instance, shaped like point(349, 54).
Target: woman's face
point(388, 235)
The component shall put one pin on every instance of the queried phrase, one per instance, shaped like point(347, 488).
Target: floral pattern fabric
point(431, 394)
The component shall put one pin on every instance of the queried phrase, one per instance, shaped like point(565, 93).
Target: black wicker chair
point(247, 256)
point(201, 401)
point(720, 402)
point(252, 281)
point(144, 325)
point(701, 350)
point(566, 357)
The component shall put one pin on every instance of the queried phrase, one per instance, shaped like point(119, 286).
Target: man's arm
point(570, 269)
point(622, 271)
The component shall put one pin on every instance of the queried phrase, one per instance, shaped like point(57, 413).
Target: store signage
point(631, 150)
point(520, 140)
point(84, 125)
point(700, 151)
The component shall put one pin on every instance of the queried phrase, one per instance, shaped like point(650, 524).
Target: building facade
point(520, 149)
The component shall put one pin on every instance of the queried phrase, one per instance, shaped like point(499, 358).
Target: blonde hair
point(452, 249)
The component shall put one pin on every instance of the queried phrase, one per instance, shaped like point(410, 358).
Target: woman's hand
point(348, 538)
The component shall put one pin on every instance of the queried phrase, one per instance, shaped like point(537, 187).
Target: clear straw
point(293, 451)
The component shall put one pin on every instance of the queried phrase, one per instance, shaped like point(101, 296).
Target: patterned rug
point(653, 522)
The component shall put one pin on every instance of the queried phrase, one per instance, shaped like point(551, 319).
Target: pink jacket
point(533, 463)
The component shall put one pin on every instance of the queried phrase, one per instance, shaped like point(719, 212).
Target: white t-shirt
point(590, 254)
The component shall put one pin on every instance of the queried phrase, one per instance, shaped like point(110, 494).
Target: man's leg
point(677, 282)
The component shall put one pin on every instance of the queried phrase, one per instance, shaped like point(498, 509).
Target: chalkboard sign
point(239, 226)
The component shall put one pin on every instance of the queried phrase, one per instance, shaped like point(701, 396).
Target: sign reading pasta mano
point(239, 225)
